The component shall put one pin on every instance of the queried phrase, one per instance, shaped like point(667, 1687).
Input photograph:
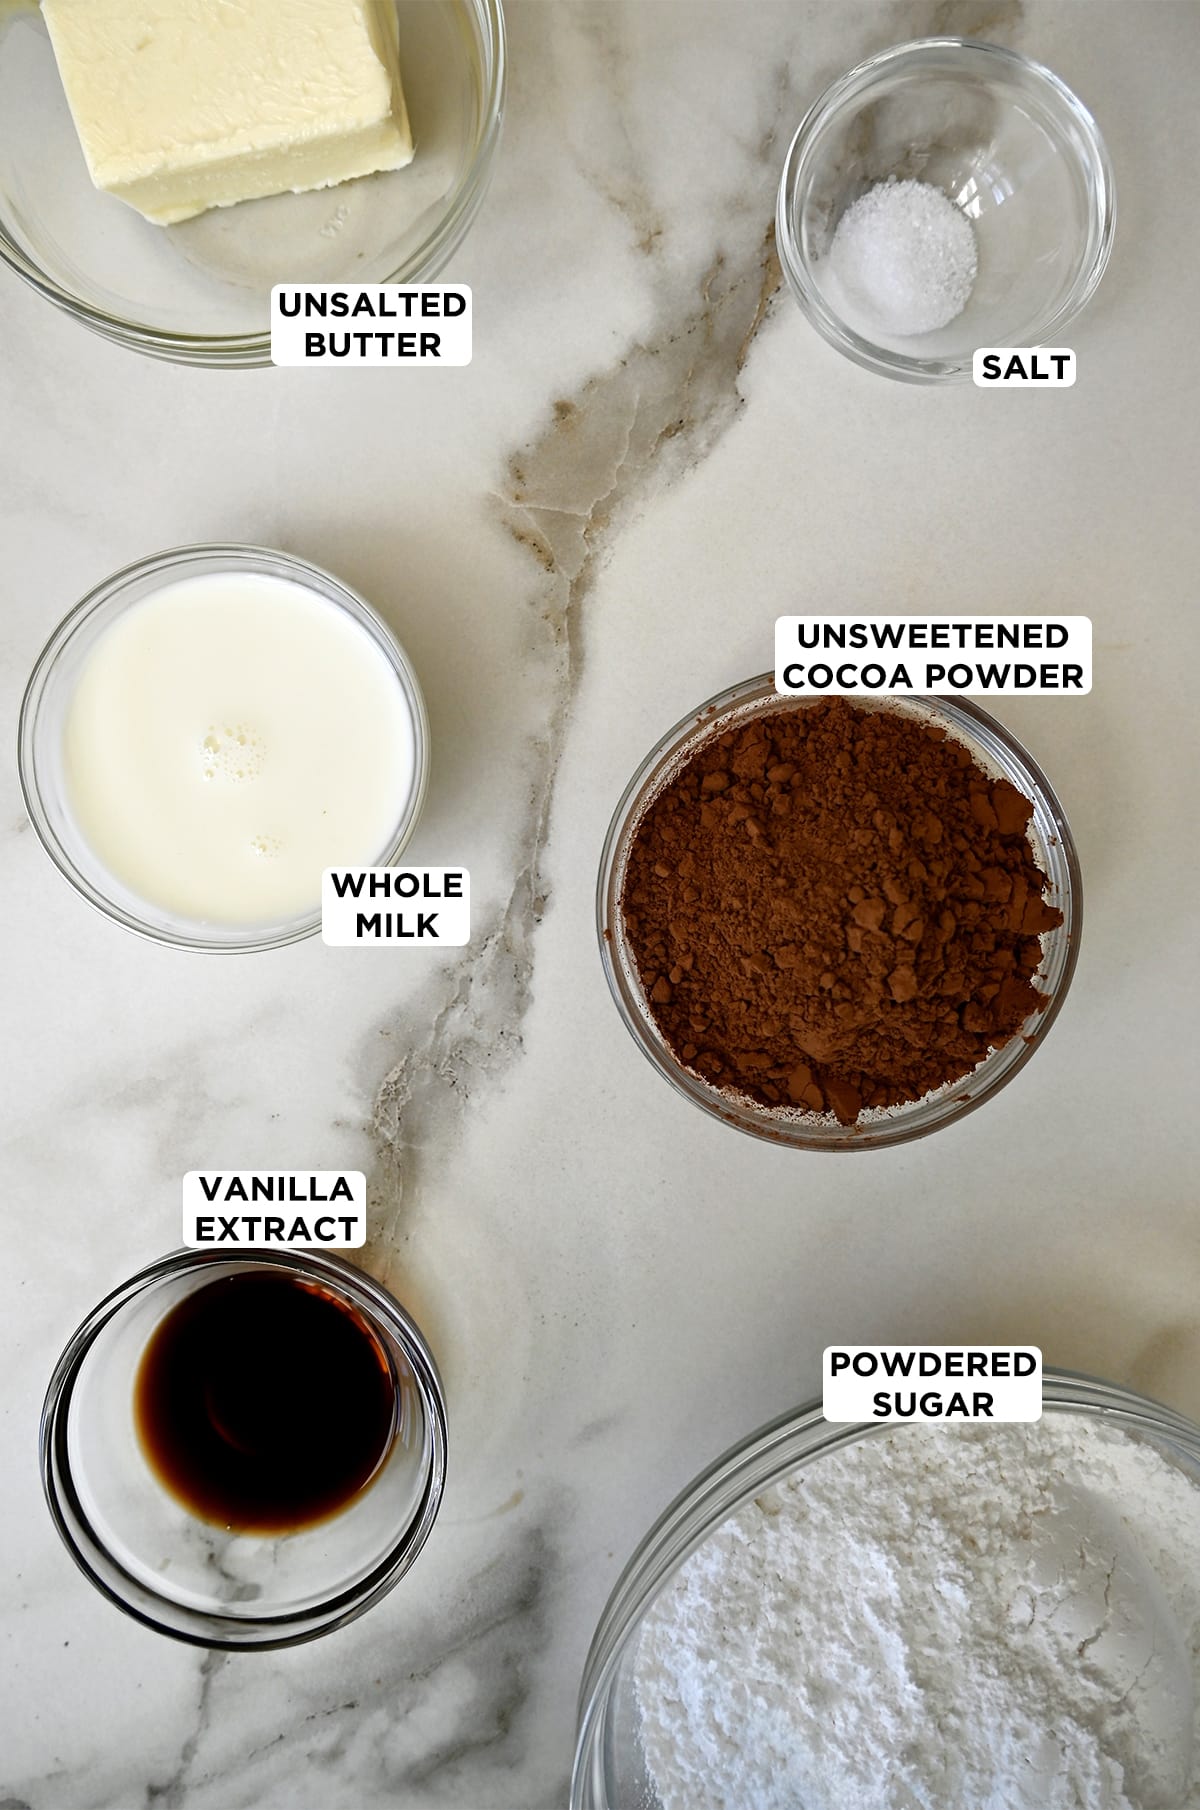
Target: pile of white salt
point(903, 260)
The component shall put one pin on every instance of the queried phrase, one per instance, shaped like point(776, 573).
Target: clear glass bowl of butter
point(199, 292)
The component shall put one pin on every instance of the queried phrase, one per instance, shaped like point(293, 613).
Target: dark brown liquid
point(264, 1404)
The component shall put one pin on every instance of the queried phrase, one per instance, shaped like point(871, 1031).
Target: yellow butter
point(183, 105)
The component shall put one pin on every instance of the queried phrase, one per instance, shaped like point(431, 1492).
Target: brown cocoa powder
point(835, 908)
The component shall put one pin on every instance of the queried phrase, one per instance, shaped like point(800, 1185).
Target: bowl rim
point(903, 367)
point(218, 556)
point(790, 1441)
point(960, 716)
point(245, 351)
point(196, 1627)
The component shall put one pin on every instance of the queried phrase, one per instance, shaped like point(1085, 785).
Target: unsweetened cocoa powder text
point(835, 908)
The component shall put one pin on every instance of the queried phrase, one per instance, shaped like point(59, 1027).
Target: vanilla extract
point(264, 1403)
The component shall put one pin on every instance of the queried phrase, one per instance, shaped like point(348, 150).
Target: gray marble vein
point(647, 419)
point(440, 1709)
point(171, 1793)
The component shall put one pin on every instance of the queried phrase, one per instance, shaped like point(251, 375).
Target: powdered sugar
point(904, 257)
point(1000, 1618)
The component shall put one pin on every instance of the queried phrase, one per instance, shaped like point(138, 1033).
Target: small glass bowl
point(1010, 145)
point(195, 1581)
point(1001, 756)
point(610, 1768)
point(200, 292)
point(48, 697)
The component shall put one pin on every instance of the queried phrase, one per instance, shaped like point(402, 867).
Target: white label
point(395, 907)
point(907, 656)
point(863, 1383)
point(277, 1208)
point(336, 324)
point(1023, 367)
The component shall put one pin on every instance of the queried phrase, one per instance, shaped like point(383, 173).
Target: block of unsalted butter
point(183, 105)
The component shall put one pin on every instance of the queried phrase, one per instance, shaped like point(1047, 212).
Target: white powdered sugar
point(905, 256)
point(977, 1618)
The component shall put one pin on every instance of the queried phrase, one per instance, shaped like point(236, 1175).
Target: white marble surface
point(578, 538)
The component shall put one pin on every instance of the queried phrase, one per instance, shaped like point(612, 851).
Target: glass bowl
point(1007, 142)
point(1001, 756)
point(200, 292)
point(199, 1582)
point(610, 1770)
point(47, 700)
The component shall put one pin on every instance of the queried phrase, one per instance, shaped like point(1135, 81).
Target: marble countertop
point(578, 538)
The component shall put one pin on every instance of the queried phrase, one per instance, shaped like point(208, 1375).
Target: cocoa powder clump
point(836, 908)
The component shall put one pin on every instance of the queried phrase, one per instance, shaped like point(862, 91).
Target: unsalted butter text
point(371, 324)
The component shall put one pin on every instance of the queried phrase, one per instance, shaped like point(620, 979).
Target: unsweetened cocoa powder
point(835, 908)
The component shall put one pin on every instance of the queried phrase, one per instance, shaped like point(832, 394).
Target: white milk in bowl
point(229, 736)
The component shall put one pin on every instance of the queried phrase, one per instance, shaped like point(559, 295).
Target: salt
point(905, 257)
